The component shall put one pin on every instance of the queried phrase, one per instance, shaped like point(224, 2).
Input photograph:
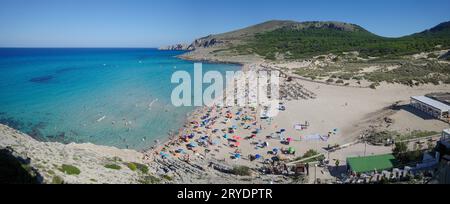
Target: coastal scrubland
point(310, 39)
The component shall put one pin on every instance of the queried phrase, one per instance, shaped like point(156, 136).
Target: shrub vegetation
point(70, 169)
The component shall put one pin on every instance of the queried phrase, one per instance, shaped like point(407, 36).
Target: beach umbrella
point(289, 139)
point(237, 144)
point(237, 156)
point(291, 150)
point(163, 155)
point(257, 156)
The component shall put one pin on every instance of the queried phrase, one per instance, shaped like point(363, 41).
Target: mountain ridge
point(267, 26)
point(295, 40)
point(277, 36)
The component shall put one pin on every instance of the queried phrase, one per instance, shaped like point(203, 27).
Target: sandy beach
point(336, 115)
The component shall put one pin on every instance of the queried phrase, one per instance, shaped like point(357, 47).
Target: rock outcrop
point(185, 47)
point(206, 42)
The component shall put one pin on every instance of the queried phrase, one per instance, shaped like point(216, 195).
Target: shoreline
point(171, 138)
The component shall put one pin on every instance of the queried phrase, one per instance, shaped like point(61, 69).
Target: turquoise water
point(117, 97)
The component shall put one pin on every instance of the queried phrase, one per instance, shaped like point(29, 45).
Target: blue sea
point(115, 97)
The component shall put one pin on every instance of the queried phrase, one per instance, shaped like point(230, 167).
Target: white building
point(432, 107)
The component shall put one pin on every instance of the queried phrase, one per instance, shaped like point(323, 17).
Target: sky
point(153, 23)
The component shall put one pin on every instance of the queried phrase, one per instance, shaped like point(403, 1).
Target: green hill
point(301, 40)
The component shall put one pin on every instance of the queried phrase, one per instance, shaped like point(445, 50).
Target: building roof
point(442, 97)
point(446, 131)
point(371, 163)
point(433, 103)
